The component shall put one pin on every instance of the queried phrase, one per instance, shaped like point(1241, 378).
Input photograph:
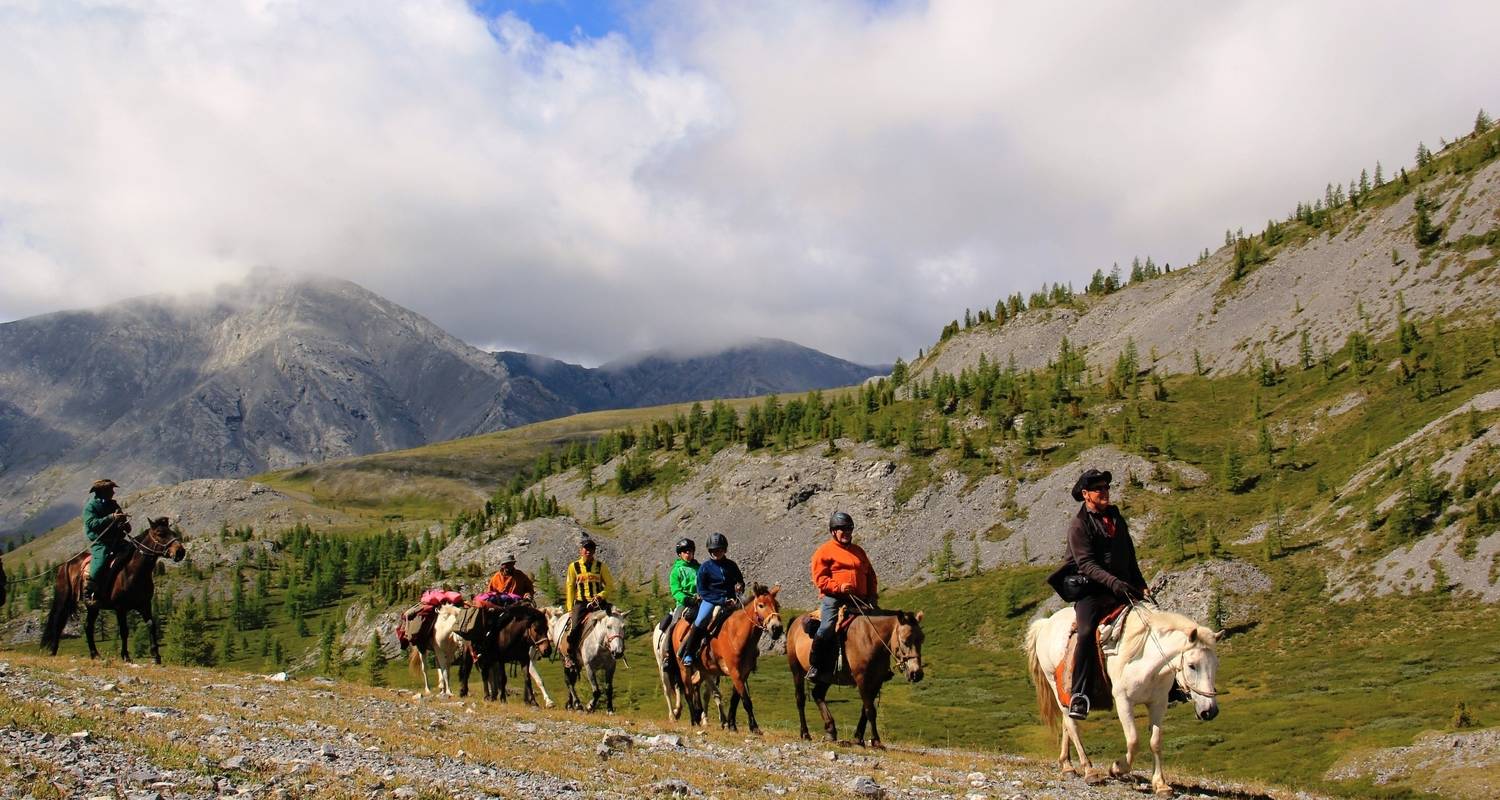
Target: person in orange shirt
point(512, 581)
point(842, 574)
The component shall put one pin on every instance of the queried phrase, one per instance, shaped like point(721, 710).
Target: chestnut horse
point(510, 636)
point(873, 639)
point(731, 653)
point(128, 589)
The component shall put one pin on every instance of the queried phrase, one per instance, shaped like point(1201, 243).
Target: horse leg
point(799, 690)
point(1065, 756)
point(122, 617)
point(870, 699)
point(1121, 769)
point(609, 687)
point(536, 678)
point(1158, 709)
point(820, 696)
point(88, 630)
point(595, 692)
point(742, 688)
point(465, 666)
point(734, 708)
point(500, 681)
point(151, 630)
point(1070, 730)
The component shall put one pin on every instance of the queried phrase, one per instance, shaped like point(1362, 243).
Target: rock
point(672, 788)
point(976, 779)
point(146, 795)
point(277, 677)
point(328, 752)
point(976, 796)
point(603, 751)
point(617, 740)
point(665, 740)
point(232, 763)
point(81, 736)
point(525, 727)
point(829, 755)
point(109, 687)
point(772, 788)
point(864, 786)
point(404, 791)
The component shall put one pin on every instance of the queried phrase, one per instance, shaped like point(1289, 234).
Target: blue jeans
point(830, 614)
point(705, 609)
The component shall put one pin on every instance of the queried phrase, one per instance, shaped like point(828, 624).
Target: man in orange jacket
point(842, 573)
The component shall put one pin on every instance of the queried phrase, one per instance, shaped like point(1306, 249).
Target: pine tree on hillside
point(187, 636)
point(1482, 123)
point(374, 662)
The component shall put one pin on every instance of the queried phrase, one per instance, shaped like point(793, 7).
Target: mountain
point(269, 374)
point(764, 366)
point(279, 372)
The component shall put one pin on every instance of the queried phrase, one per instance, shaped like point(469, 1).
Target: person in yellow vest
point(588, 583)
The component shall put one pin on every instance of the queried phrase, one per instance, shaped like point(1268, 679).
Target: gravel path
point(79, 729)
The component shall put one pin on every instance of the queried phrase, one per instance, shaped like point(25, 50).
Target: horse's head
point(766, 611)
point(163, 541)
point(1198, 667)
point(906, 644)
point(537, 628)
point(612, 630)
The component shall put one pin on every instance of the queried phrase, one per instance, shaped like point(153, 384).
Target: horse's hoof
point(1163, 791)
point(1068, 771)
point(1117, 771)
point(845, 743)
point(1094, 777)
point(876, 745)
point(806, 737)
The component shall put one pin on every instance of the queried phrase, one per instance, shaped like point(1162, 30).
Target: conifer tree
point(1482, 123)
point(374, 662)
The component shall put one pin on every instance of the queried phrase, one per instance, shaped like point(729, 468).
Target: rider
point(843, 575)
point(684, 585)
point(104, 525)
point(511, 581)
point(587, 584)
point(1100, 548)
point(719, 584)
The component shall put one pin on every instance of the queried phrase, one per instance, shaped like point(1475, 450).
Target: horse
point(445, 645)
point(1156, 648)
point(129, 588)
point(667, 672)
point(872, 640)
point(512, 636)
point(598, 651)
point(731, 652)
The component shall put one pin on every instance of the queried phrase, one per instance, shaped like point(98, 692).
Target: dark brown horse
point(731, 653)
point(509, 636)
point(127, 588)
point(873, 640)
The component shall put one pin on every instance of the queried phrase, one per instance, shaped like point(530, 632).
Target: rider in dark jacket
point(719, 584)
point(1100, 548)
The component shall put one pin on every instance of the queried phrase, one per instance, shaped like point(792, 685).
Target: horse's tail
point(414, 662)
point(63, 606)
point(1046, 700)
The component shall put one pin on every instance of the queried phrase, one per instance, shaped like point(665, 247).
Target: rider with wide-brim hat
point(510, 581)
point(104, 526)
point(1100, 549)
point(843, 575)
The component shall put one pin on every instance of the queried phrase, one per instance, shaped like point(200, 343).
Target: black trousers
point(581, 609)
point(1088, 677)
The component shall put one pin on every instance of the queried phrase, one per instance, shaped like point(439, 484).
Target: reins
point(1175, 662)
point(859, 608)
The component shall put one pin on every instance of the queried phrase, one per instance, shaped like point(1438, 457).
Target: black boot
point(1079, 708)
point(90, 598)
point(821, 670)
point(690, 645)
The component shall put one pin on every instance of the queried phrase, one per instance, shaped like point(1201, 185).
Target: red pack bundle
point(438, 597)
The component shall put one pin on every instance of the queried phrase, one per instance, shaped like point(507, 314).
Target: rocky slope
point(1332, 284)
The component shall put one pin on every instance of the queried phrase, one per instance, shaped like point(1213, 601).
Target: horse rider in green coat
point(104, 525)
point(683, 582)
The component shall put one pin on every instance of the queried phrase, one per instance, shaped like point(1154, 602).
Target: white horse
point(1156, 648)
point(446, 646)
point(598, 651)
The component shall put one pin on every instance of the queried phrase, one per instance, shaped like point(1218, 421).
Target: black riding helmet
point(718, 541)
point(685, 545)
point(841, 521)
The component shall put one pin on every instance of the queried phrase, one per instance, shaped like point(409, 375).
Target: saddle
point(1108, 637)
point(112, 565)
point(840, 632)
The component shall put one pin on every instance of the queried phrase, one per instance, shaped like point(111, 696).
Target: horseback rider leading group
point(719, 583)
point(104, 525)
point(588, 583)
point(843, 576)
point(1100, 549)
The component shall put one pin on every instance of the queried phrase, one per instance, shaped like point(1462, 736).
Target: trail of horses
point(79, 728)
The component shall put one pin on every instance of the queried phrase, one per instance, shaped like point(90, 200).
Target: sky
point(592, 179)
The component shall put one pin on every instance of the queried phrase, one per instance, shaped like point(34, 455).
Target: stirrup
point(1087, 707)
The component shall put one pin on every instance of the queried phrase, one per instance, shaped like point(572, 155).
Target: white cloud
point(842, 175)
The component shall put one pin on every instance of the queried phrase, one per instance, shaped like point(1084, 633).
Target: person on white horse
point(719, 584)
point(683, 582)
point(588, 585)
point(1099, 549)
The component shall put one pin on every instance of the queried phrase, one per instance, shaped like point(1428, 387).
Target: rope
point(1151, 633)
point(857, 604)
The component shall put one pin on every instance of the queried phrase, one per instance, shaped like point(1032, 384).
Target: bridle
point(1176, 661)
point(762, 623)
point(901, 652)
point(152, 550)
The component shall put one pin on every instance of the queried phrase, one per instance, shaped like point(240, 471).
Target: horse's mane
point(1137, 624)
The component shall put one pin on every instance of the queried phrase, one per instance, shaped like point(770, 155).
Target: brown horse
point(128, 588)
point(732, 653)
point(505, 637)
point(873, 639)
